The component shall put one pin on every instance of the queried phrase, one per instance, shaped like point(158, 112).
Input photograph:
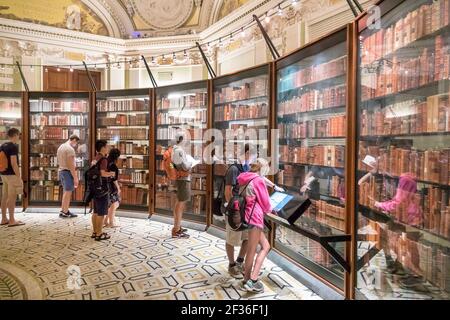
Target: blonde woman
point(254, 189)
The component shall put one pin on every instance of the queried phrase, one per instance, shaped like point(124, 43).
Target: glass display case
point(241, 109)
point(403, 181)
point(181, 109)
point(53, 118)
point(311, 118)
point(10, 117)
point(123, 119)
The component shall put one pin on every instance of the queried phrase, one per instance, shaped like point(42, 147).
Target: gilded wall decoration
point(67, 14)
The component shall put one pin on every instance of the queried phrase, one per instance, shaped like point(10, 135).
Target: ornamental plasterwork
point(163, 15)
point(27, 48)
point(53, 52)
point(302, 11)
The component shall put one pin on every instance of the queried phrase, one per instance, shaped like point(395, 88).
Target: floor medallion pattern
point(55, 258)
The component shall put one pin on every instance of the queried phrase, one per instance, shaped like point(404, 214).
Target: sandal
point(93, 235)
point(103, 236)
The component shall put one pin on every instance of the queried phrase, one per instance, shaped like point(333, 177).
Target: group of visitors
point(244, 177)
point(105, 206)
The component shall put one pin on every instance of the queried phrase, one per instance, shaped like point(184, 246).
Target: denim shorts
point(66, 179)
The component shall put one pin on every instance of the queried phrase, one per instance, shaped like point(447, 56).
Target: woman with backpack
point(257, 204)
point(114, 187)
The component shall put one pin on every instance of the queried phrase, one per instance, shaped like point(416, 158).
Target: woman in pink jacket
point(254, 190)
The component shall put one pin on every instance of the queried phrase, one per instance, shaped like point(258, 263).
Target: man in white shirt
point(67, 174)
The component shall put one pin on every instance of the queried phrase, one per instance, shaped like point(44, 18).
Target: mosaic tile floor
point(54, 258)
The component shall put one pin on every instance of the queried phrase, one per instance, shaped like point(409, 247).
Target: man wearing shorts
point(183, 185)
point(67, 174)
point(101, 203)
point(12, 183)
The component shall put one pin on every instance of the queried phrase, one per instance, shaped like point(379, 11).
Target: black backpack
point(95, 185)
point(218, 201)
point(236, 210)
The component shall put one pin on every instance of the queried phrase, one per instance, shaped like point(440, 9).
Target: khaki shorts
point(235, 238)
point(183, 190)
point(11, 184)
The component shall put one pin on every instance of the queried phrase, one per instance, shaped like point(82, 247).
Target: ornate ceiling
point(122, 18)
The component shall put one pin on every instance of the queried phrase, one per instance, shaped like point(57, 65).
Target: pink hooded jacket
point(405, 195)
point(256, 191)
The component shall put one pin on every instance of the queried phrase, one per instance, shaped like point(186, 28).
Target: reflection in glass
point(403, 168)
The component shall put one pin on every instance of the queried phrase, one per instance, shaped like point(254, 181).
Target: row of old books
point(423, 21)
point(426, 165)
point(123, 133)
point(9, 107)
point(48, 175)
point(58, 106)
point(54, 193)
point(332, 127)
point(421, 258)
point(291, 176)
point(66, 120)
point(166, 133)
point(199, 99)
point(331, 156)
point(258, 87)
point(47, 148)
point(182, 117)
point(132, 195)
point(56, 133)
point(408, 117)
point(9, 122)
point(198, 183)
point(405, 73)
point(44, 161)
point(241, 111)
point(125, 120)
point(123, 105)
point(328, 214)
point(331, 69)
point(140, 177)
point(337, 187)
point(131, 148)
point(317, 99)
point(133, 163)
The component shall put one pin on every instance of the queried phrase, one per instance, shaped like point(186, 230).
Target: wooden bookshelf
point(123, 119)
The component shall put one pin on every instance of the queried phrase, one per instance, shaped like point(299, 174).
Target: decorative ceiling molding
point(103, 13)
point(95, 45)
point(238, 18)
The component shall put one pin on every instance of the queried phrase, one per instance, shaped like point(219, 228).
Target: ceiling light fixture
point(267, 19)
point(58, 69)
point(71, 69)
point(280, 12)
